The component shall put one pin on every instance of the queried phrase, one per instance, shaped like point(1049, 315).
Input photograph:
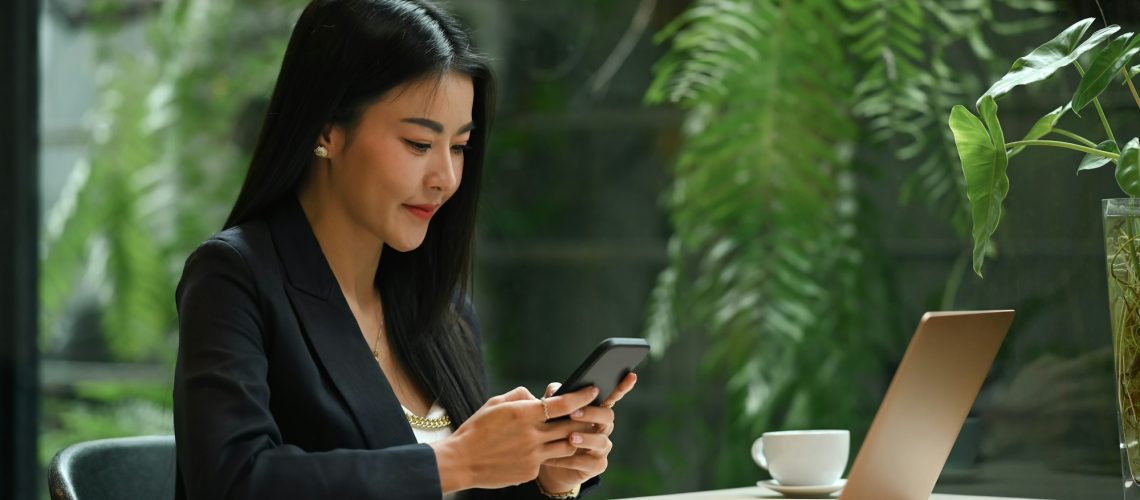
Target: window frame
point(20, 475)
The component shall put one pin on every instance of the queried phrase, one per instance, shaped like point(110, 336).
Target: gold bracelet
point(565, 494)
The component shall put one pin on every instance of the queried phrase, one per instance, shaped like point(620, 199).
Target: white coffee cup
point(803, 458)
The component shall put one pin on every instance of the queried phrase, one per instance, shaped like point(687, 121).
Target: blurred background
point(766, 190)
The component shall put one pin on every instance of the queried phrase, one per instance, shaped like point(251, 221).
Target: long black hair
point(343, 55)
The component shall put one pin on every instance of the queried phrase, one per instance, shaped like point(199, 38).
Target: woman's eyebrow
point(437, 127)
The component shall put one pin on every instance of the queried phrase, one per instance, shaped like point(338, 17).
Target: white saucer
point(803, 491)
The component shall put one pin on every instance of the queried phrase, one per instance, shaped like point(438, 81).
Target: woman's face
point(403, 160)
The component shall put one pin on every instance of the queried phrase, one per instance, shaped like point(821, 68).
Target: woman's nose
point(443, 175)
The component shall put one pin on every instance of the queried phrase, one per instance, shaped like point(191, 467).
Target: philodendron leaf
point(1128, 168)
point(1042, 128)
point(984, 164)
point(1105, 66)
point(1131, 72)
point(1091, 161)
point(1050, 57)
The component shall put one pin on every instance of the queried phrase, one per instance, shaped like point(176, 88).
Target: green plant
point(97, 410)
point(775, 258)
point(981, 142)
point(985, 157)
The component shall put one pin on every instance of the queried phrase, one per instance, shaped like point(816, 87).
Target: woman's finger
point(591, 441)
point(601, 418)
point(594, 414)
point(561, 406)
point(606, 429)
point(622, 389)
point(517, 394)
point(556, 449)
point(551, 388)
point(561, 429)
point(590, 464)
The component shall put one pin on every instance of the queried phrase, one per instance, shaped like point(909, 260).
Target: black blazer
point(276, 394)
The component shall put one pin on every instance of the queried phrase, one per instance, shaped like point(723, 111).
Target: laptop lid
point(926, 404)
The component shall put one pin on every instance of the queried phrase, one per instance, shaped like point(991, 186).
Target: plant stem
point(1096, 104)
point(1075, 137)
point(1103, 120)
point(1066, 145)
point(1128, 80)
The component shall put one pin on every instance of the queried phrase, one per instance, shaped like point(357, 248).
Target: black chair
point(112, 469)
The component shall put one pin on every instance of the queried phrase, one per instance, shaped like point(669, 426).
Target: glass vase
point(1122, 253)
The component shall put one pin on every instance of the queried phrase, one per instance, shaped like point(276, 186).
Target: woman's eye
point(459, 149)
point(420, 147)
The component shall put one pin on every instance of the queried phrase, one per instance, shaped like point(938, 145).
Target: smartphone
point(606, 367)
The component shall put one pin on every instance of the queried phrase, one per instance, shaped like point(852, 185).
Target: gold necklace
point(427, 424)
point(379, 330)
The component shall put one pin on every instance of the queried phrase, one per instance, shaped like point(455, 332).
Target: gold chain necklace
point(428, 424)
point(379, 330)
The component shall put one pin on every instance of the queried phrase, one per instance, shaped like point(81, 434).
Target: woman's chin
point(406, 244)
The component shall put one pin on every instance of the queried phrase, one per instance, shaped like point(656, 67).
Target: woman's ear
point(332, 138)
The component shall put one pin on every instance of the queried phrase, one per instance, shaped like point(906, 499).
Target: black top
point(276, 393)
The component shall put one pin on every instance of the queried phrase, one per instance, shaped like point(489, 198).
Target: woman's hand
point(507, 439)
point(593, 446)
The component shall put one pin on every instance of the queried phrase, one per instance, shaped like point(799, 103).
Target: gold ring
point(609, 405)
point(545, 410)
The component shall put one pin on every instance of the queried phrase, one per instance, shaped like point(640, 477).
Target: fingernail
point(579, 413)
point(596, 391)
point(576, 439)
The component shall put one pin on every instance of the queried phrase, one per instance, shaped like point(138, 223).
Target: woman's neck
point(352, 252)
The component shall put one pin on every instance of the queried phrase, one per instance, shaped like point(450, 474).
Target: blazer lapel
point(333, 333)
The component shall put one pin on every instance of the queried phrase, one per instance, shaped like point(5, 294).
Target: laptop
point(926, 404)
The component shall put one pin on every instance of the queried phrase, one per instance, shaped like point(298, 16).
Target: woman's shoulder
point(247, 246)
point(249, 239)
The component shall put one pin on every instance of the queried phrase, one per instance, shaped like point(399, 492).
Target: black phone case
point(606, 366)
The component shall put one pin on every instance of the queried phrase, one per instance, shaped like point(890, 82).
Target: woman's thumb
point(519, 394)
point(551, 388)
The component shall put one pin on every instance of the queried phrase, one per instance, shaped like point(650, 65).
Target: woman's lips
point(422, 212)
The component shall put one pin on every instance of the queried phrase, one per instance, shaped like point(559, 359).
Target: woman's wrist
point(454, 472)
point(555, 489)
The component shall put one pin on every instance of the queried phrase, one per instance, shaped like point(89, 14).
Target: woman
point(327, 348)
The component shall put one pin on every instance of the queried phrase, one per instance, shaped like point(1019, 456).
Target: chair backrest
point(113, 469)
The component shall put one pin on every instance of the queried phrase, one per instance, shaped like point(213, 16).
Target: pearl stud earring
point(321, 152)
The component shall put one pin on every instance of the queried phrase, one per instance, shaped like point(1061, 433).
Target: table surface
point(991, 481)
point(755, 492)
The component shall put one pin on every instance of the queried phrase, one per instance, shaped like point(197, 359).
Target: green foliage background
point(179, 97)
point(777, 261)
